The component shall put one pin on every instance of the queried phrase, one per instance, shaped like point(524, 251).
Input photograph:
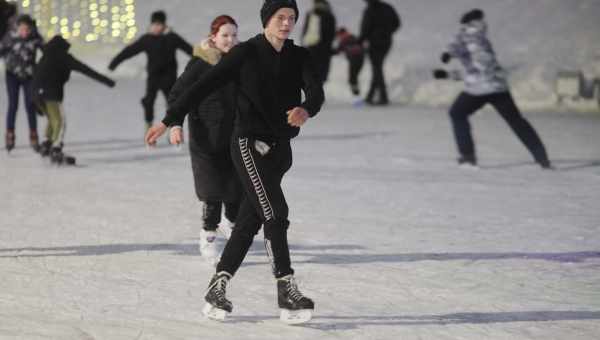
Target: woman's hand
point(176, 135)
point(154, 133)
point(297, 116)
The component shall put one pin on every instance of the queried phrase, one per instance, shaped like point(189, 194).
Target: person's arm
point(184, 45)
point(130, 51)
point(5, 45)
point(312, 86)
point(215, 78)
point(456, 49)
point(192, 72)
point(82, 68)
point(366, 26)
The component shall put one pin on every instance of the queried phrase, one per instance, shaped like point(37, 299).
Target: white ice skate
point(208, 246)
point(295, 307)
point(225, 228)
point(295, 317)
point(214, 313)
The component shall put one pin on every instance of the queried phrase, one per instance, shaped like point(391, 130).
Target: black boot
point(217, 289)
point(295, 307)
point(34, 141)
point(10, 140)
point(56, 155)
point(45, 148)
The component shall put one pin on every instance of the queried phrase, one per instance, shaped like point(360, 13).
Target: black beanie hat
point(25, 19)
point(475, 14)
point(159, 17)
point(269, 8)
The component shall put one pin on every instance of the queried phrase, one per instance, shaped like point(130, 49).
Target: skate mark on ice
point(99, 250)
point(335, 322)
point(346, 136)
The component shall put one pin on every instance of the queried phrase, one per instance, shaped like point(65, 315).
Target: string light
point(84, 21)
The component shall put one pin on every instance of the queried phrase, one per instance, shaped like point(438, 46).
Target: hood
point(207, 52)
point(57, 43)
point(475, 27)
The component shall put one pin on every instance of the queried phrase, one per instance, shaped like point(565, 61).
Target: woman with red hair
point(210, 127)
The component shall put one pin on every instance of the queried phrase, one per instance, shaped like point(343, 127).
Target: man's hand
point(297, 116)
point(154, 133)
point(176, 135)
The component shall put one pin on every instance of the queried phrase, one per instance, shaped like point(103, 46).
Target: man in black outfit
point(379, 23)
point(318, 35)
point(270, 73)
point(160, 45)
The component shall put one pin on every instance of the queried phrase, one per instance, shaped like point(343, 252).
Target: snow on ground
point(388, 235)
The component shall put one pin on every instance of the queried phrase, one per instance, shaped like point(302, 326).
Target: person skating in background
point(160, 45)
point(485, 83)
point(379, 22)
point(318, 35)
point(270, 73)
point(210, 128)
point(19, 49)
point(348, 44)
point(8, 10)
point(49, 79)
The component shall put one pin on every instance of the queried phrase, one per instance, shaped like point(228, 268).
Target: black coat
point(54, 70)
point(268, 84)
point(379, 22)
point(210, 128)
point(160, 50)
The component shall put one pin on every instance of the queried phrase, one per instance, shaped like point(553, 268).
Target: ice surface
point(389, 237)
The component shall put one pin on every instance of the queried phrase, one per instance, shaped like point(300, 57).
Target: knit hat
point(25, 19)
point(472, 15)
point(159, 17)
point(269, 8)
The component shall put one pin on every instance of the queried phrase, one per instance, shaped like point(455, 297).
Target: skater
point(269, 72)
point(210, 128)
point(318, 35)
point(7, 11)
point(486, 83)
point(350, 46)
point(160, 45)
point(19, 48)
point(380, 21)
point(49, 79)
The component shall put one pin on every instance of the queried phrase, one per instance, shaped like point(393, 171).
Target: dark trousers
point(261, 173)
point(355, 66)
point(377, 55)
point(466, 104)
point(156, 82)
point(211, 215)
point(13, 85)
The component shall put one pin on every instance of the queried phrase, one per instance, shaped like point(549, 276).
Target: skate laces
point(292, 289)
point(219, 286)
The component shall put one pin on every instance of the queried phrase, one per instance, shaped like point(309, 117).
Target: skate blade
point(295, 317)
point(214, 313)
point(469, 167)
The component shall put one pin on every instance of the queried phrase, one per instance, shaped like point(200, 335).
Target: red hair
point(220, 21)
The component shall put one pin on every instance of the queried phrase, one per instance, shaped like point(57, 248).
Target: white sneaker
point(225, 228)
point(208, 246)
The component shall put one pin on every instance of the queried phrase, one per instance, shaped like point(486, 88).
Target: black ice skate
point(217, 306)
point(58, 157)
point(45, 148)
point(10, 140)
point(295, 307)
point(34, 141)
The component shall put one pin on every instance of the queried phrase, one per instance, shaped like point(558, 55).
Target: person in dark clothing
point(49, 79)
point(379, 22)
point(318, 35)
point(19, 48)
point(160, 45)
point(351, 47)
point(210, 128)
point(270, 73)
point(7, 11)
point(486, 83)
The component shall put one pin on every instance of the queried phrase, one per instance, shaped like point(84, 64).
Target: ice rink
point(389, 236)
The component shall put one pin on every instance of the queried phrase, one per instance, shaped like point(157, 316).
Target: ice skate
point(295, 307)
point(208, 246)
point(225, 228)
point(468, 163)
point(45, 148)
point(10, 140)
point(34, 141)
point(59, 158)
point(217, 306)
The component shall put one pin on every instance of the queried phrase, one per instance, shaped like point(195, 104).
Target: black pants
point(13, 85)
point(377, 55)
point(466, 104)
point(156, 82)
point(211, 215)
point(355, 66)
point(261, 173)
point(321, 56)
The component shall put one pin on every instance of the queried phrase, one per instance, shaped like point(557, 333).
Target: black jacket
point(380, 20)
point(327, 28)
point(268, 84)
point(212, 120)
point(54, 70)
point(160, 50)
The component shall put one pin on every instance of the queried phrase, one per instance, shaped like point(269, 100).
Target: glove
point(445, 57)
point(110, 83)
point(112, 66)
point(440, 74)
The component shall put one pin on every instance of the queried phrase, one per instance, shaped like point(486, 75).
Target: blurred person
point(355, 54)
point(160, 45)
point(8, 10)
point(49, 79)
point(318, 35)
point(485, 83)
point(379, 22)
point(19, 48)
point(210, 128)
point(270, 73)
